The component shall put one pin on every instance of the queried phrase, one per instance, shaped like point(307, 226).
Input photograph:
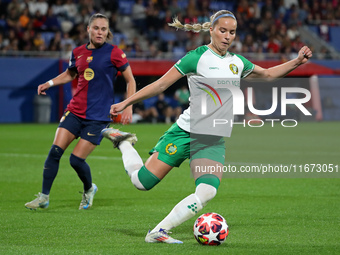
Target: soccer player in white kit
point(183, 139)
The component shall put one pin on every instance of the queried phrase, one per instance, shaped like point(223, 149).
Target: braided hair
point(197, 27)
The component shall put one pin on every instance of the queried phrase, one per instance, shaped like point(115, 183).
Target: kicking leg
point(143, 177)
point(124, 142)
point(206, 189)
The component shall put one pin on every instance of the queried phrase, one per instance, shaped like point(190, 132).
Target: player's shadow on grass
point(60, 204)
point(128, 232)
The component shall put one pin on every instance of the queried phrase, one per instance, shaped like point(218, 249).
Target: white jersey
point(204, 63)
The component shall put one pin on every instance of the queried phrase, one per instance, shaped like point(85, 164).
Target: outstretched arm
point(61, 79)
point(150, 90)
point(282, 70)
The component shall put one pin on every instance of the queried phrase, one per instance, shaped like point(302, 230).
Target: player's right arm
point(151, 90)
point(185, 65)
point(61, 79)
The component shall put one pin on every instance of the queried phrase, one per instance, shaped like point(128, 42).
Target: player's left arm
point(130, 90)
point(282, 70)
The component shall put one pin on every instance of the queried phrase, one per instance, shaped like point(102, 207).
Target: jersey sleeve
point(118, 58)
point(72, 63)
point(188, 64)
point(248, 66)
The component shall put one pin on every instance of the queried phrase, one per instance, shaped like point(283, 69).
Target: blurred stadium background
point(36, 38)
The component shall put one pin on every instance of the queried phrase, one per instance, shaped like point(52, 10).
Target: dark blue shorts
point(89, 130)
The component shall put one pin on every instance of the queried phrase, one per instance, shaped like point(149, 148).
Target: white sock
point(183, 211)
point(188, 207)
point(131, 159)
point(135, 180)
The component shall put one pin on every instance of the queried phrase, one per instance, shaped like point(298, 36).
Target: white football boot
point(42, 201)
point(160, 236)
point(116, 136)
point(88, 196)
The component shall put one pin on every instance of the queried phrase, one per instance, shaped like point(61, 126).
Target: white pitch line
point(25, 155)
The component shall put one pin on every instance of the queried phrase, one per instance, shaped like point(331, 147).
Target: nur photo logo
point(223, 99)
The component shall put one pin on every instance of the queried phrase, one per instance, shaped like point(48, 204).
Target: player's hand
point(116, 109)
point(42, 88)
point(126, 116)
point(304, 54)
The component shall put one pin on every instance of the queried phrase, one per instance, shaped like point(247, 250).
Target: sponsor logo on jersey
point(171, 149)
point(233, 68)
point(214, 67)
point(88, 74)
point(79, 56)
point(89, 59)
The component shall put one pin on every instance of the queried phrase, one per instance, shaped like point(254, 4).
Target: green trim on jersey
point(218, 55)
point(248, 66)
point(188, 63)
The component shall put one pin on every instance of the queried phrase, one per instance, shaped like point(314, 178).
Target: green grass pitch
point(291, 215)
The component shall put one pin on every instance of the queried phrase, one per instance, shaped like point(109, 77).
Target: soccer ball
point(117, 119)
point(211, 229)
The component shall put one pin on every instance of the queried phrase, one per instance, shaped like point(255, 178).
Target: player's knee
point(206, 187)
point(133, 167)
point(135, 181)
point(55, 152)
point(53, 157)
point(143, 179)
point(75, 161)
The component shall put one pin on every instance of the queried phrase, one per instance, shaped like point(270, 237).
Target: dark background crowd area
point(270, 29)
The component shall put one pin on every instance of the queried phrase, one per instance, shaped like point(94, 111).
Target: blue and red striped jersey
point(97, 72)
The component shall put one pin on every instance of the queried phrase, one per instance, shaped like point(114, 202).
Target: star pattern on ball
point(212, 236)
point(196, 232)
point(208, 220)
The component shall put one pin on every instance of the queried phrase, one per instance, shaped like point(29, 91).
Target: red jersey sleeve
point(118, 58)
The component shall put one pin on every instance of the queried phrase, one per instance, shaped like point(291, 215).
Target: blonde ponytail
point(190, 27)
point(200, 27)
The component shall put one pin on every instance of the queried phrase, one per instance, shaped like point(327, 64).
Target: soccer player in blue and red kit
point(95, 65)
